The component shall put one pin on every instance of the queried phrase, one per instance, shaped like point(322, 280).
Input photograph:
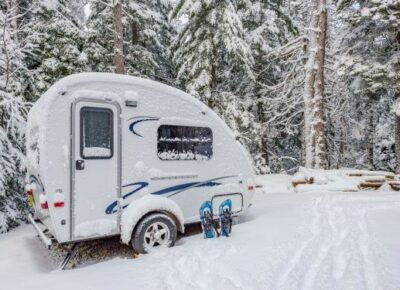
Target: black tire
point(150, 229)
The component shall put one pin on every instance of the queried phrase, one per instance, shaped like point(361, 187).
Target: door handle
point(80, 164)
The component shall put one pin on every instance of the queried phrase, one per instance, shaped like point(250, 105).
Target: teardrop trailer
point(119, 155)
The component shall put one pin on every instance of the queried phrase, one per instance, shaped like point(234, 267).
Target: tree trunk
point(309, 88)
point(135, 33)
point(264, 138)
point(342, 144)
point(314, 107)
point(397, 133)
point(321, 160)
point(118, 38)
point(397, 121)
point(10, 25)
point(370, 144)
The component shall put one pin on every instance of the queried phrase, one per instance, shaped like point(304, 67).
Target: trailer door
point(96, 169)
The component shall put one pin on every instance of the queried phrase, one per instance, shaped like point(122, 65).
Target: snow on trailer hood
point(40, 111)
point(146, 204)
point(62, 86)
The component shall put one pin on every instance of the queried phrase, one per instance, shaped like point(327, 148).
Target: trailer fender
point(138, 208)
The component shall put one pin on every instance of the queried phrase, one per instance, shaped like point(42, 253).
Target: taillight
point(44, 205)
point(28, 189)
point(59, 198)
point(59, 204)
point(250, 187)
point(43, 201)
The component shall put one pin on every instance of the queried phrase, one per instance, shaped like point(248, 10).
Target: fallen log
point(374, 185)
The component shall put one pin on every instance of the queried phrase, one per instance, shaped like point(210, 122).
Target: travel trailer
point(120, 155)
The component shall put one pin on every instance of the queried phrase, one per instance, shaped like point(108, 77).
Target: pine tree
point(100, 41)
point(147, 36)
point(58, 45)
point(210, 52)
point(276, 48)
point(13, 109)
point(369, 60)
point(215, 64)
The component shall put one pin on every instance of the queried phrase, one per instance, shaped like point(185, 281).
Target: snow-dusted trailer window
point(96, 133)
point(184, 143)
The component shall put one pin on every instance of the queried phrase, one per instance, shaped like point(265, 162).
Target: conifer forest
point(312, 83)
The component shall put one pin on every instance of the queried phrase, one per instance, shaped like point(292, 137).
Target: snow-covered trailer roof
point(90, 81)
point(129, 88)
point(59, 89)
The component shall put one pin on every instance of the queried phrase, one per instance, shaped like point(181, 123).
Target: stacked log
point(331, 179)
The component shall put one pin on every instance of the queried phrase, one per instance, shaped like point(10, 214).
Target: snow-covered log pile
point(345, 179)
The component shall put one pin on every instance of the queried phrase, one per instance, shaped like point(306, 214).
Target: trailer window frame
point(111, 131)
point(209, 134)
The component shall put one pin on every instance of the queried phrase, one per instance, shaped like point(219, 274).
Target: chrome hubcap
point(157, 234)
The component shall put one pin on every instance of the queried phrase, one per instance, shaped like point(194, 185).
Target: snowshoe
point(207, 222)
point(225, 216)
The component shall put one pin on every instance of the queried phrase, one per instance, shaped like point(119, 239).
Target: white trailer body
point(99, 142)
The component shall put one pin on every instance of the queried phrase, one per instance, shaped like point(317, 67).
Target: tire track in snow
point(364, 246)
point(339, 246)
point(324, 247)
point(340, 256)
point(296, 259)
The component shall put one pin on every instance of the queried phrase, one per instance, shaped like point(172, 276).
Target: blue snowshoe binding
point(225, 216)
point(207, 221)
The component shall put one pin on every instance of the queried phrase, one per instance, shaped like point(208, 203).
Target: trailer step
point(46, 240)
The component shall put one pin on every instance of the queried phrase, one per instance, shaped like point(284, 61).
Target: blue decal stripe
point(182, 187)
point(111, 208)
point(139, 120)
point(174, 189)
point(210, 182)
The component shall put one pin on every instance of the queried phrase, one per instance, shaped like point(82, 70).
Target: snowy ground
point(287, 240)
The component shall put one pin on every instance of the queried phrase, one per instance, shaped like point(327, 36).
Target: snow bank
point(327, 187)
point(274, 183)
point(149, 203)
point(322, 241)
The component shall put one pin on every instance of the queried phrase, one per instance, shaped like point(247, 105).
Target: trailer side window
point(184, 143)
point(96, 133)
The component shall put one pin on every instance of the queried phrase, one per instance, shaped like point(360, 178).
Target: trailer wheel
point(155, 230)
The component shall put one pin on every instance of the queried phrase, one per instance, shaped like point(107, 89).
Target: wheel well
point(178, 224)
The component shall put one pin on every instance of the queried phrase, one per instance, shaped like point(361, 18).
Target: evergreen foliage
point(13, 76)
point(147, 37)
point(57, 46)
point(246, 59)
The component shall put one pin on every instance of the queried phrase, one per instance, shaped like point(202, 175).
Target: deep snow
point(287, 240)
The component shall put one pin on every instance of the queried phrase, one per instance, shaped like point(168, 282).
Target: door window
point(96, 133)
